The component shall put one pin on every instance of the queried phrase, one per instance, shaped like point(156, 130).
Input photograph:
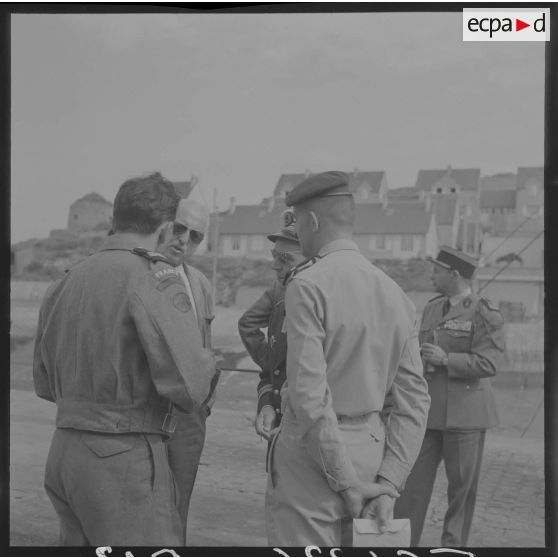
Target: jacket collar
point(336, 245)
point(117, 242)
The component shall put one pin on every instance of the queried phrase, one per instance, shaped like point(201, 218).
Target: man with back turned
point(356, 400)
point(112, 353)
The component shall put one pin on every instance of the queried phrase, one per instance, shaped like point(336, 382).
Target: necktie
point(446, 307)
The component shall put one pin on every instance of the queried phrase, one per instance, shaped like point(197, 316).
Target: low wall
point(28, 290)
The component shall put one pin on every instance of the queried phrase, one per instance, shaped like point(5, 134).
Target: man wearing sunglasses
point(186, 445)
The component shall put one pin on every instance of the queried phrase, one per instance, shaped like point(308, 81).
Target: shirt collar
point(117, 242)
point(456, 299)
point(336, 245)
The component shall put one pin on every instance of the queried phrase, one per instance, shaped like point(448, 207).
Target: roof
point(468, 179)
point(408, 193)
point(93, 197)
point(445, 208)
point(526, 173)
point(356, 178)
point(251, 219)
point(490, 199)
point(183, 188)
point(510, 274)
point(402, 218)
point(500, 181)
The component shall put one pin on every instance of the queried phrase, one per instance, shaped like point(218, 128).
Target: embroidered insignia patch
point(166, 272)
point(181, 301)
point(458, 325)
point(168, 281)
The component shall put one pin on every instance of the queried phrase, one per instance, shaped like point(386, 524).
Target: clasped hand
point(433, 354)
point(371, 499)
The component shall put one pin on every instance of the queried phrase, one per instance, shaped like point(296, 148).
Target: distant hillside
point(52, 257)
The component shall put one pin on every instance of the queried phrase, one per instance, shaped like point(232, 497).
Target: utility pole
point(215, 246)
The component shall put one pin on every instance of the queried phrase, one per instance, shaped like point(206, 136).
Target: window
point(452, 190)
point(381, 242)
point(438, 190)
point(406, 243)
point(235, 243)
point(532, 211)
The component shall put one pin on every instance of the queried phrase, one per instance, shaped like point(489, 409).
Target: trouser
point(184, 450)
point(112, 489)
point(301, 508)
point(461, 451)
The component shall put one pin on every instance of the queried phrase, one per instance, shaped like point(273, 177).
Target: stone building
point(92, 212)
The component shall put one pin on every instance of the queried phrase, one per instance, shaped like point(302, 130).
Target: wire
point(508, 236)
point(509, 263)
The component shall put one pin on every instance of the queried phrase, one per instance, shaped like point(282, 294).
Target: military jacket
point(271, 353)
point(111, 348)
point(353, 351)
point(472, 334)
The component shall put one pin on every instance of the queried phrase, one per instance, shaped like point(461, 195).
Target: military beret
point(451, 258)
point(330, 183)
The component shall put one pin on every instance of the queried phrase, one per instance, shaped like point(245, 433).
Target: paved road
point(227, 505)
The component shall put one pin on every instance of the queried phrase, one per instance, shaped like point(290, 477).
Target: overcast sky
point(239, 99)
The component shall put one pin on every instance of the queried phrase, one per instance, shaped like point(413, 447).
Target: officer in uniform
point(111, 351)
point(356, 401)
point(462, 342)
point(269, 312)
point(186, 444)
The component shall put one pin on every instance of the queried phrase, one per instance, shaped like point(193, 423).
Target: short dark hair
point(144, 203)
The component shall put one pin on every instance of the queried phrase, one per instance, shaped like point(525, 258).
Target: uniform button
point(276, 391)
point(277, 410)
point(468, 386)
point(276, 372)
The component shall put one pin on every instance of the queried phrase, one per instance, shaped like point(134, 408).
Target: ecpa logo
point(491, 24)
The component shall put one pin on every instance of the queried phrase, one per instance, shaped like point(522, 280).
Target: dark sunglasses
point(194, 236)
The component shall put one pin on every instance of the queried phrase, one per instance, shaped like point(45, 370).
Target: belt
point(355, 419)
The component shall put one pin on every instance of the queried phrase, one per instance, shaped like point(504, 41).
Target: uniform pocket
point(107, 445)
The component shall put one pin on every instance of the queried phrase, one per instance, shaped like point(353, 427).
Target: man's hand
point(381, 507)
point(265, 422)
point(356, 496)
point(433, 354)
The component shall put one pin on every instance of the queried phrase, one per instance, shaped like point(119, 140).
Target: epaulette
point(436, 298)
point(151, 256)
point(489, 304)
point(300, 267)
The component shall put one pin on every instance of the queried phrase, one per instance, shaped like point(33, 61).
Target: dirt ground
point(227, 507)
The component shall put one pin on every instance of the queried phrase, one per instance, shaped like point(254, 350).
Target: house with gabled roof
point(464, 184)
point(402, 231)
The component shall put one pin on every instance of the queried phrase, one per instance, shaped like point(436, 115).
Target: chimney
point(270, 204)
point(448, 170)
point(307, 173)
point(355, 172)
point(232, 205)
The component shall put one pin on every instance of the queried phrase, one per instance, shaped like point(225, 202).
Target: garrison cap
point(451, 258)
point(286, 233)
point(330, 183)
